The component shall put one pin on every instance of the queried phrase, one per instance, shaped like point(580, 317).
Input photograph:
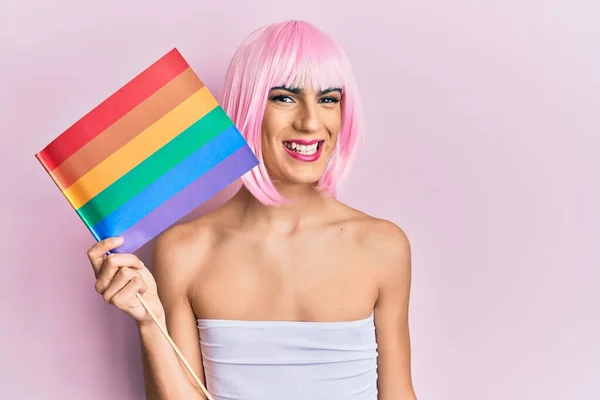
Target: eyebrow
point(301, 91)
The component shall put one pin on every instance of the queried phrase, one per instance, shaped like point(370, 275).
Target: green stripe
point(165, 158)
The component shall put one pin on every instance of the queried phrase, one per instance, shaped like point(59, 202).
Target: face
point(300, 131)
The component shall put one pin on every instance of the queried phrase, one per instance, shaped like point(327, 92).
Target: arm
point(165, 375)
point(391, 315)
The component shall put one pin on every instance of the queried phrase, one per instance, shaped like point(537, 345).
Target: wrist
point(149, 324)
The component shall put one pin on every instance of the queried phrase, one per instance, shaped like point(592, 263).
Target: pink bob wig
point(292, 54)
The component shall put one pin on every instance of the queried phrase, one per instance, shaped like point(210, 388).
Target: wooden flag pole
point(173, 345)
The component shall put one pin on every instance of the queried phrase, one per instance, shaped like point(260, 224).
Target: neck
point(304, 206)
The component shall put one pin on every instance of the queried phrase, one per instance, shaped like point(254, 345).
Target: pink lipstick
point(304, 150)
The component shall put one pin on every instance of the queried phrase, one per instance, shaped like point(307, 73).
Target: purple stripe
point(188, 199)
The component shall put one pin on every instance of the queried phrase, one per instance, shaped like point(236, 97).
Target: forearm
point(164, 376)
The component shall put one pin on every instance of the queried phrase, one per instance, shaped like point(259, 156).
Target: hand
point(119, 277)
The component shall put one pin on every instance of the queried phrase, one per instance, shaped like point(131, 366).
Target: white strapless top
point(281, 360)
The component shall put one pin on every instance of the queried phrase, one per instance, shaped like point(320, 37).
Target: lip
point(303, 157)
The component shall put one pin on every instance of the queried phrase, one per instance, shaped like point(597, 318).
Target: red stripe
point(113, 108)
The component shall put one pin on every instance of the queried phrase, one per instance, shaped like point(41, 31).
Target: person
point(282, 292)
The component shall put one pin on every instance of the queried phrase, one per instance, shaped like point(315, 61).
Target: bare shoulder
point(384, 236)
point(179, 242)
point(387, 248)
point(376, 234)
point(181, 251)
point(386, 244)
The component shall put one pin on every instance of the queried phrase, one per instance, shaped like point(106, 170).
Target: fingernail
point(119, 239)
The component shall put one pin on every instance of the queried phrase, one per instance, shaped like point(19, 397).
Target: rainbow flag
point(148, 155)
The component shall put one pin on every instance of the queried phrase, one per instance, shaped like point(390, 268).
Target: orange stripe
point(125, 129)
point(140, 147)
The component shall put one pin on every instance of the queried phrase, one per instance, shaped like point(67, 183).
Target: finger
point(121, 279)
point(124, 297)
point(111, 266)
point(97, 252)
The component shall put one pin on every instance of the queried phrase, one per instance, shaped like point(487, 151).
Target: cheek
point(273, 124)
point(271, 128)
point(267, 137)
point(333, 126)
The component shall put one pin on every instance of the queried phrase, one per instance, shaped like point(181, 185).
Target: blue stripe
point(184, 173)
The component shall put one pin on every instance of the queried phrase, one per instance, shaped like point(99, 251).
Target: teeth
point(302, 149)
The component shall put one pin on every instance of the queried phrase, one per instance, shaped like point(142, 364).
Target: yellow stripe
point(141, 147)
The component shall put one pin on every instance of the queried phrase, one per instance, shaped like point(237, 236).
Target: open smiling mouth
point(302, 150)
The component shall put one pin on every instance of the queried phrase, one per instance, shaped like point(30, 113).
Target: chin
point(299, 172)
point(304, 177)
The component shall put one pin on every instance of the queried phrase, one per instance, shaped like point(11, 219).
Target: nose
point(307, 120)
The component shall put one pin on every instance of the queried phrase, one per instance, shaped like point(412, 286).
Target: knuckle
point(97, 248)
point(137, 282)
point(124, 272)
point(134, 261)
point(98, 287)
point(111, 260)
point(115, 301)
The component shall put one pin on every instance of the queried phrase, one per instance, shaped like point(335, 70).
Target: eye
point(282, 98)
point(329, 100)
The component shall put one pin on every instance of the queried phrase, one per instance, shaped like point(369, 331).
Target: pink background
point(482, 144)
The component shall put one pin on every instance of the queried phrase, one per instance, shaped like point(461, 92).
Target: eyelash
point(331, 100)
